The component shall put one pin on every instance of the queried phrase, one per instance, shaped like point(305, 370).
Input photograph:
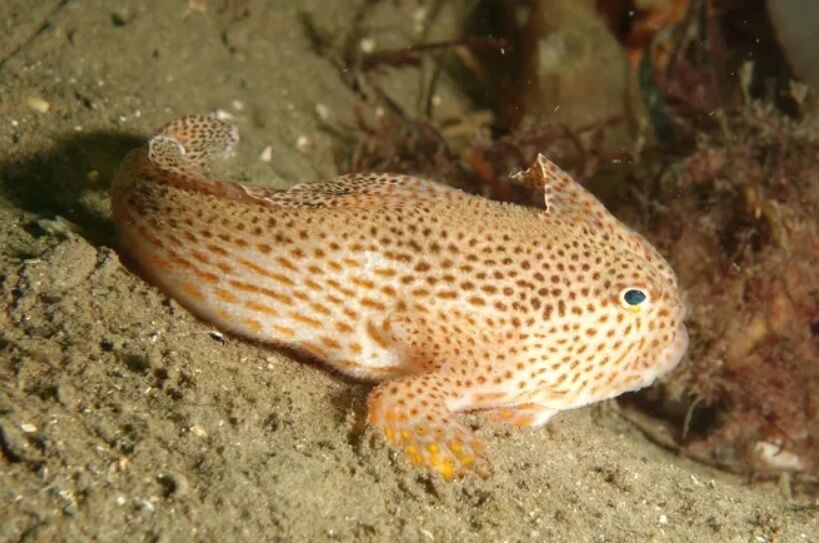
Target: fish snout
point(674, 351)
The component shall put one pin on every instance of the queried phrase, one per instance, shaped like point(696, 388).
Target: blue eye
point(634, 296)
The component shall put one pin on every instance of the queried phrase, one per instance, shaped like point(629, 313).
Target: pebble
point(367, 45)
point(323, 112)
point(303, 144)
point(198, 431)
point(37, 104)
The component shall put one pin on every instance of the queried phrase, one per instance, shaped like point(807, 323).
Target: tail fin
point(192, 141)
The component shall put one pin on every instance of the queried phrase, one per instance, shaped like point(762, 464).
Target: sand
point(124, 418)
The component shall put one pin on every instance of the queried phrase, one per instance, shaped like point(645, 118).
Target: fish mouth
point(674, 351)
point(665, 361)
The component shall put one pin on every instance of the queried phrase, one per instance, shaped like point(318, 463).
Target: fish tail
point(192, 141)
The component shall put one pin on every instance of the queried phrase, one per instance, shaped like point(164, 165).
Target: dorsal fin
point(562, 195)
point(355, 190)
point(565, 198)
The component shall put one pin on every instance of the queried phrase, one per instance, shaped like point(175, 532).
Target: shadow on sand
point(71, 180)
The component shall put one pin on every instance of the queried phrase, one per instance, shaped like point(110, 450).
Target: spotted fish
point(450, 301)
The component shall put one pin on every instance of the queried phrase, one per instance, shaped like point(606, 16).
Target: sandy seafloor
point(123, 418)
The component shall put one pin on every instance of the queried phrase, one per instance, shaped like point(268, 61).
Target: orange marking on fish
point(318, 308)
point(286, 263)
point(314, 349)
point(224, 268)
point(336, 285)
point(207, 277)
point(241, 285)
point(200, 257)
point(191, 290)
point(253, 324)
point(385, 272)
point(216, 249)
point(159, 263)
point(375, 335)
point(261, 271)
point(225, 295)
point(344, 328)
point(373, 304)
point(284, 331)
point(298, 317)
point(261, 308)
point(489, 397)
point(330, 342)
point(283, 298)
point(361, 282)
point(312, 285)
point(153, 240)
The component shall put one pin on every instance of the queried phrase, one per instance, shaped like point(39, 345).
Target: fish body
point(450, 301)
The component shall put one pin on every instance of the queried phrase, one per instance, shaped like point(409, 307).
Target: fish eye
point(634, 296)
